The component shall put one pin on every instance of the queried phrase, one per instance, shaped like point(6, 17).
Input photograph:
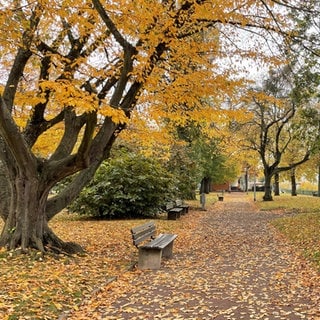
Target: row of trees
point(76, 73)
point(284, 130)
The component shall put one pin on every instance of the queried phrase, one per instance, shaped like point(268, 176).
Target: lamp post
point(318, 191)
point(254, 186)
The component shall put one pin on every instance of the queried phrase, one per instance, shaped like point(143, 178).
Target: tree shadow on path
point(230, 264)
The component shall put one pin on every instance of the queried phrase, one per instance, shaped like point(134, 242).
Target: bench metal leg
point(149, 258)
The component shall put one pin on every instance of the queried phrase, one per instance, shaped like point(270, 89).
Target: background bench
point(175, 209)
point(151, 248)
point(181, 204)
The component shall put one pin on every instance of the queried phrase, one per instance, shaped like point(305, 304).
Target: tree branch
point(14, 140)
point(110, 25)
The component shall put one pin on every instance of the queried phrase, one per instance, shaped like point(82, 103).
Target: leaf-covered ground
point(300, 224)
point(234, 265)
point(32, 288)
point(36, 288)
point(229, 263)
point(304, 231)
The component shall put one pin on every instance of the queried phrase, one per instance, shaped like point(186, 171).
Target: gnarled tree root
point(48, 243)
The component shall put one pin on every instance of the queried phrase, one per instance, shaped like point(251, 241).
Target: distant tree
point(184, 169)
point(204, 147)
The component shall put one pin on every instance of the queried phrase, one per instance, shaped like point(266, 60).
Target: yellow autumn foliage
point(196, 73)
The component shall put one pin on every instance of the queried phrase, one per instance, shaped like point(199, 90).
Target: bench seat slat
point(176, 209)
point(160, 242)
point(181, 204)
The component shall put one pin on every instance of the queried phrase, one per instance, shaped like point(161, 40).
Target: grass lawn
point(303, 226)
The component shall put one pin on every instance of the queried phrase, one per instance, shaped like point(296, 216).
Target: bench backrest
point(143, 232)
point(170, 205)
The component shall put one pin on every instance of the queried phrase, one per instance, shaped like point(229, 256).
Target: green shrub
point(127, 186)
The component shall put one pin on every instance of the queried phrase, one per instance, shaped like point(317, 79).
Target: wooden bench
point(151, 248)
point(184, 206)
point(174, 212)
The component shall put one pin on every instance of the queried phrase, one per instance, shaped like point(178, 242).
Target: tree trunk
point(26, 225)
point(205, 185)
point(293, 182)
point(267, 187)
point(246, 180)
point(276, 184)
point(26, 180)
point(318, 191)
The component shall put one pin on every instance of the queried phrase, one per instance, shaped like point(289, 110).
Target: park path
point(236, 267)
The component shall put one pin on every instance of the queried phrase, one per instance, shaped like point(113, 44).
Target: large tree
point(73, 71)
